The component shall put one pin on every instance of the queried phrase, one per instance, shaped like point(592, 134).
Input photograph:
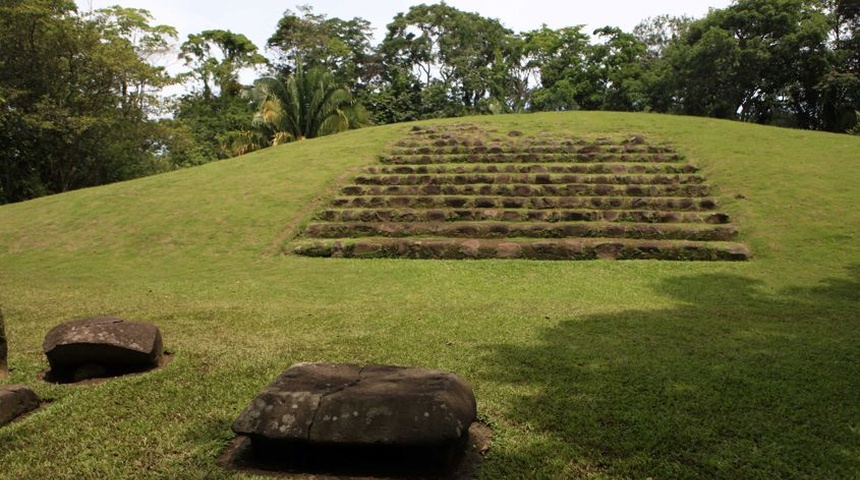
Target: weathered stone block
point(16, 400)
point(349, 408)
point(101, 346)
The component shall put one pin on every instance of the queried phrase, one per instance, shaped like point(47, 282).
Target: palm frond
point(307, 104)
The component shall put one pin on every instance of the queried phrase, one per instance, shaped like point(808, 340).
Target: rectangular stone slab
point(286, 409)
point(344, 404)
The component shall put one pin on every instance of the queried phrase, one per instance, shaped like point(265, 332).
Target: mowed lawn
point(603, 370)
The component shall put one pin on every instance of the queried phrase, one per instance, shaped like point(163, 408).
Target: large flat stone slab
point(16, 400)
point(101, 347)
point(361, 414)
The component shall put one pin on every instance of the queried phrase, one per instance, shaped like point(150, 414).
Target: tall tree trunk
point(4, 350)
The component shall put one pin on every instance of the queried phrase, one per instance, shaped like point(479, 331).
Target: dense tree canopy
point(462, 62)
point(341, 46)
point(80, 100)
point(216, 57)
point(75, 95)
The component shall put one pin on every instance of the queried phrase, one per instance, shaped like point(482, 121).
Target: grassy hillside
point(604, 370)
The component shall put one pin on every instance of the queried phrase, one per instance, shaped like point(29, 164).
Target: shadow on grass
point(733, 383)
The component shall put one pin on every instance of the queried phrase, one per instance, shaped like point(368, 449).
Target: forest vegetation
point(82, 103)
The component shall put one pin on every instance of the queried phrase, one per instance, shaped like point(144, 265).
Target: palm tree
point(306, 104)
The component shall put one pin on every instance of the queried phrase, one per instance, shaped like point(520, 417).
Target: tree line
point(81, 100)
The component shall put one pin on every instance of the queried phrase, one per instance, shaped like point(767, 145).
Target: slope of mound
point(599, 369)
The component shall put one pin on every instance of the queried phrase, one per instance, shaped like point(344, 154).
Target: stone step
point(548, 190)
point(539, 203)
point(594, 168)
point(461, 192)
point(698, 232)
point(533, 179)
point(517, 215)
point(524, 157)
point(564, 249)
point(453, 147)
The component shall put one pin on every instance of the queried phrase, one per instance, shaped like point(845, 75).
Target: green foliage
point(781, 62)
point(209, 124)
point(305, 104)
point(75, 96)
point(765, 61)
point(81, 103)
point(216, 57)
point(555, 59)
point(461, 59)
point(340, 46)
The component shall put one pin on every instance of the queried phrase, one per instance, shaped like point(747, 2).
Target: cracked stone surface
point(16, 400)
point(102, 346)
point(346, 404)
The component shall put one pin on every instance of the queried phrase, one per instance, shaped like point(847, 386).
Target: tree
point(343, 47)
point(840, 86)
point(207, 121)
point(305, 104)
point(555, 60)
point(462, 62)
point(615, 71)
point(140, 81)
point(216, 57)
point(573, 73)
point(659, 34)
point(757, 60)
point(75, 95)
point(202, 129)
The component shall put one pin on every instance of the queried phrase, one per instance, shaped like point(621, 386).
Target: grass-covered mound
point(582, 369)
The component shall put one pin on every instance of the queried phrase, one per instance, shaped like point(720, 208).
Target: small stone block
point(16, 400)
point(101, 346)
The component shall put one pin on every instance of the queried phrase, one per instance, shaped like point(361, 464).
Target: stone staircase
point(458, 192)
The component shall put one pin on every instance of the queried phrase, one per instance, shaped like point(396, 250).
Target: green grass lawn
point(603, 370)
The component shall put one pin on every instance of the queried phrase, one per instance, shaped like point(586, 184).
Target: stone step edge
point(534, 167)
point(537, 203)
point(429, 149)
point(531, 190)
point(504, 178)
point(488, 230)
point(580, 249)
point(518, 215)
point(526, 158)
